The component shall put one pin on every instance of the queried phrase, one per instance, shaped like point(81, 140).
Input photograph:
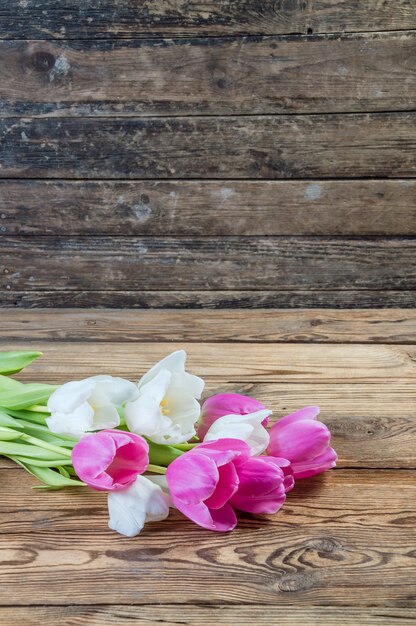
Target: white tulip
point(167, 406)
point(247, 427)
point(86, 405)
point(129, 509)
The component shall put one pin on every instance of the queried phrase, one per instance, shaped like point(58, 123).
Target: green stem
point(48, 446)
point(37, 408)
point(156, 469)
point(185, 446)
point(39, 463)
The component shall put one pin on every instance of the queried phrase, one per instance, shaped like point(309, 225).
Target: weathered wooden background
point(221, 153)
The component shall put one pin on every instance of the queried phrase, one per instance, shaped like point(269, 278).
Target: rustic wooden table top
point(342, 551)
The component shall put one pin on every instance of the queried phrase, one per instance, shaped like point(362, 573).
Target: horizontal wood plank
point(103, 263)
point(259, 147)
point(200, 615)
point(105, 19)
point(225, 362)
point(218, 299)
point(303, 325)
point(208, 208)
point(209, 76)
point(342, 537)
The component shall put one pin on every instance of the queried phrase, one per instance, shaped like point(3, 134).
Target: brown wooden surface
point(218, 299)
point(94, 263)
point(209, 76)
point(130, 18)
point(167, 122)
point(323, 326)
point(205, 615)
point(340, 552)
point(260, 147)
point(208, 208)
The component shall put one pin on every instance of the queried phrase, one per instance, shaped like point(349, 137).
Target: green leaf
point(8, 434)
point(39, 463)
point(36, 430)
point(28, 416)
point(28, 450)
point(52, 479)
point(17, 395)
point(160, 454)
point(13, 362)
point(63, 472)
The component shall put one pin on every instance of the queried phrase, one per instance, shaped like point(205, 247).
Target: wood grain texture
point(319, 326)
point(208, 208)
point(209, 76)
point(340, 539)
point(218, 299)
point(96, 264)
point(223, 615)
point(225, 362)
point(259, 147)
point(127, 18)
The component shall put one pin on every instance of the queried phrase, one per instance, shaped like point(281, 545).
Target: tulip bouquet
point(151, 446)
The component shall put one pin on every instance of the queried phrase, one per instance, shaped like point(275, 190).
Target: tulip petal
point(227, 485)
point(110, 459)
point(248, 428)
point(105, 417)
point(299, 440)
point(70, 396)
point(73, 424)
point(261, 488)
point(144, 417)
point(191, 478)
point(224, 519)
point(222, 404)
point(130, 508)
point(173, 363)
point(224, 450)
point(112, 390)
point(319, 464)
point(258, 476)
point(267, 504)
point(307, 413)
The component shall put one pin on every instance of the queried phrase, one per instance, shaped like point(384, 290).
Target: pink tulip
point(110, 459)
point(304, 441)
point(226, 404)
point(212, 479)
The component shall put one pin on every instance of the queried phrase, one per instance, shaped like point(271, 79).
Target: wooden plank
point(133, 263)
point(208, 208)
point(302, 325)
point(260, 147)
point(225, 362)
point(105, 19)
point(342, 537)
point(218, 299)
point(209, 76)
point(200, 615)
